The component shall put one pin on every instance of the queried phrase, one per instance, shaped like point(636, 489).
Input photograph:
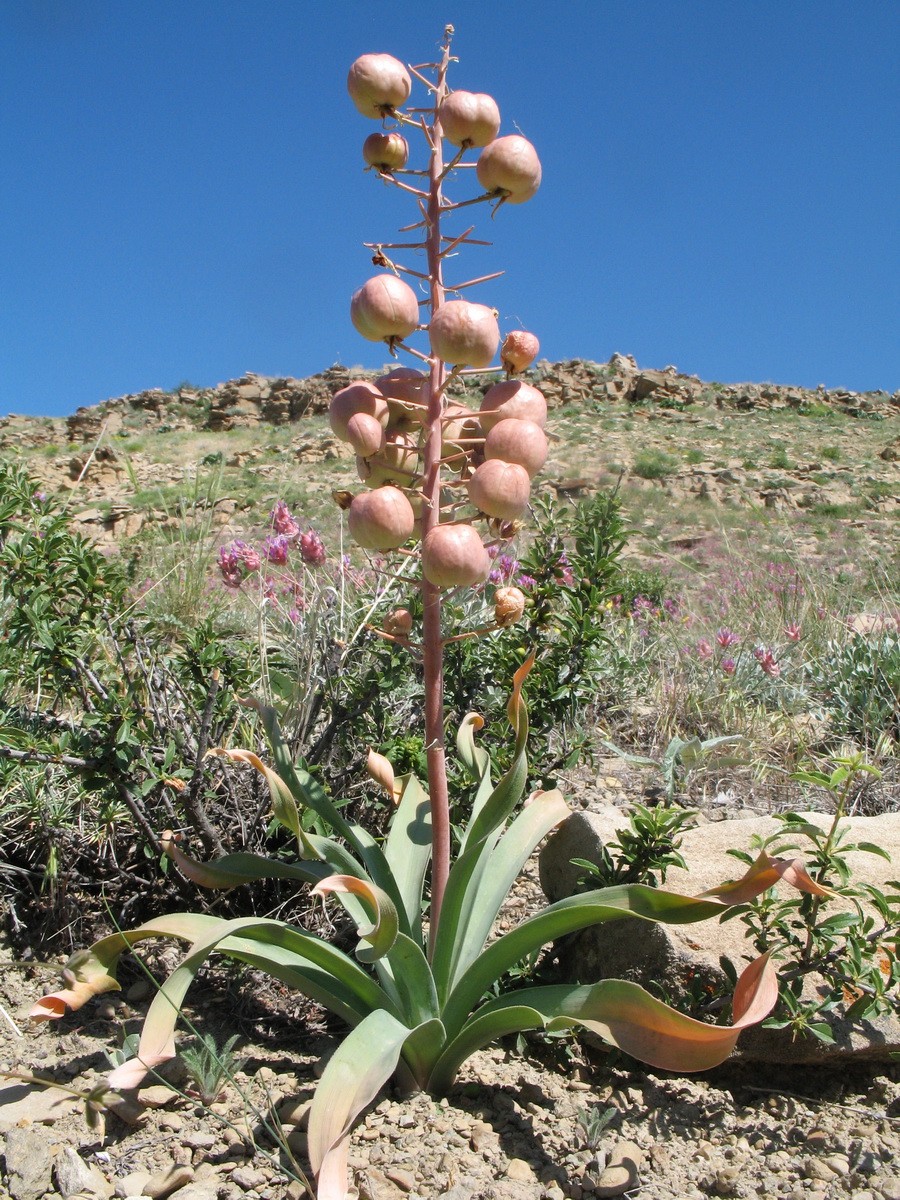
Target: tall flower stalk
point(420, 993)
point(375, 81)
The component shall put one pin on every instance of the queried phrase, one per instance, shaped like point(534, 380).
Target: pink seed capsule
point(464, 334)
point(378, 83)
point(509, 605)
point(519, 350)
point(365, 434)
point(384, 308)
point(381, 520)
point(522, 442)
point(510, 166)
point(454, 556)
point(500, 489)
point(358, 397)
point(469, 119)
point(386, 151)
point(512, 398)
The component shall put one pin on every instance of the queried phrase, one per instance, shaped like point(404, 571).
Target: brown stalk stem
point(458, 287)
point(408, 188)
point(432, 645)
point(466, 203)
point(459, 637)
point(465, 240)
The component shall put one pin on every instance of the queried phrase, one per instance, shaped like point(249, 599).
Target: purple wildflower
point(276, 548)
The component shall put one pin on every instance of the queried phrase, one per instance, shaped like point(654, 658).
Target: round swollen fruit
point(510, 165)
point(465, 334)
point(469, 119)
point(454, 556)
point(500, 489)
point(396, 463)
point(378, 83)
point(384, 307)
point(359, 397)
point(519, 350)
point(521, 442)
point(406, 391)
point(365, 434)
point(386, 151)
point(381, 520)
point(512, 398)
point(457, 431)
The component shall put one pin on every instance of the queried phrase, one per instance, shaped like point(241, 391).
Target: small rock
point(28, 1163)
point(816, 1168)
point(295, 1111)
point(621, 1171)
point(481, 1135)
point(375, 1185)
point(727, 1181)
point(403, 1179)
point(198, 1140)
point(887, 1185)
point(74, 1175)
point(839, 1163)
point(172, 1122)
point(248, 1177)
point(138, 991)
point(519, 1170)
point(131, 1184)
point(166, 1182)
point(39, 1105)
point(157, 1096)
point(198, 1191)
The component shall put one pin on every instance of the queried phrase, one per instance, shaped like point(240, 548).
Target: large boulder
point(682, 961)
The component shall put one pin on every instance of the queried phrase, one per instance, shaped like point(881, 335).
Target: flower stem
point(432, 644)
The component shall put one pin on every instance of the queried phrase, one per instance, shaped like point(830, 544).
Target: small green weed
point(210, 1066)
point(654, 464)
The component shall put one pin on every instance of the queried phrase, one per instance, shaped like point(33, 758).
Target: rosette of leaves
point(412, 1014)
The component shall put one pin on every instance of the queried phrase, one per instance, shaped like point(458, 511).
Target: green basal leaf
point(502, 864)
point(408, 849)
point(361, 1065)
point(274, 945)
point(567, 916)
point(376, 938)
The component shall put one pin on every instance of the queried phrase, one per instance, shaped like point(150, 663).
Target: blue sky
point(182, 193)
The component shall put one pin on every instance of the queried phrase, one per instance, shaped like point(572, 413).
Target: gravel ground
point(517, 1123)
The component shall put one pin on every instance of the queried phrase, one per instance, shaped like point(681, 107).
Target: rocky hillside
point(835, 452)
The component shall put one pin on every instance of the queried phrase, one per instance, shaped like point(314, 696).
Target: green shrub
point(654, 464)
point(859, 682)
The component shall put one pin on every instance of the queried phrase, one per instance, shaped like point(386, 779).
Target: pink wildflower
point(275, 549)
point(725, 638)
point(728, 666)
point(246, 555)
point(792, 632)
point(766, 660)
point(312, 548)
point(704, 649)
point(282, 521)
point(231, 566)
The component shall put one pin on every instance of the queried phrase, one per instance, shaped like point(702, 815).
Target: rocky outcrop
point(259, 399)
point(677, 960)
